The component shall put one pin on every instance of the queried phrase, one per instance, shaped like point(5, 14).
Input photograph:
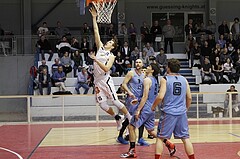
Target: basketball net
point(104, 10)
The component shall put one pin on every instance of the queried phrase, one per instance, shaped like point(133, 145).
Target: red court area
point(22, 142)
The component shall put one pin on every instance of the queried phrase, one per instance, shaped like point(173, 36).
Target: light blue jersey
point(152, 94)
point(147, 116)
point(135, 85)
point(174, 101)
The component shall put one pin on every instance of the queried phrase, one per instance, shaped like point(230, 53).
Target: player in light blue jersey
point(144, 115)
point(133, 86)
point(175, 98)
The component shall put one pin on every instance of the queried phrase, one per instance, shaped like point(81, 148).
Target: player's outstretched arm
point(161, 94)
point(98, 42)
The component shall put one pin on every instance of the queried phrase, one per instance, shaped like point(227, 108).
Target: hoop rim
point(98, 1)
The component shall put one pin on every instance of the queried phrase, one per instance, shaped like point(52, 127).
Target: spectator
point(195, 55)
point(206, 72)
point(42, 66)
point(234, 94)
point(123, 33)
point(60, 30)
point(44, 46)
point(145, 33)
point(135, 54)
point(222, 42)
point(161, 60)
point(152, 59)
point(126, 52)
point(132, 32)
point(235, 29)
point(231, 40)
point(224, 55)
point(227, 71)
point(55, 65)
point(149, 50)
point(119, 63)
point(202, 29)
point(206, 51)
point(91, 77)
point(211, 41)
point(85, 49)
point(213, 56)
point(66, 63)
point(189, 45)
point(211, 28)
point(43, 30)
point(196, 29)
point(218, 48)
point(86, 30)
point(83, 81)
point(119, 45)
point(231, 49)
point(144, 58)
point(111, 31)
point(168, 33)
point(75, 44)
point(63, 46)
point(78, 62)
point(44, 81)
point(189, 27)
point(156, 31)
point(237, 67)
point(223, 29)
point(217, 68)
point(201, 40)
point(235, 56)
point(59, 79)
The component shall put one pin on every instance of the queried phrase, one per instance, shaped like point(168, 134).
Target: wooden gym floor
point(212, 139)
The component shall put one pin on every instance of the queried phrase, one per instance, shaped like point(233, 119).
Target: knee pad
point(104, 106)
point(118, 104)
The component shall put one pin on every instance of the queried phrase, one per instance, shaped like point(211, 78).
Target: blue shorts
point(146, 118)
point(176, 124)
point(131, 108)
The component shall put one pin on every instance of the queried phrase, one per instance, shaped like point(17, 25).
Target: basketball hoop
point(104, 10)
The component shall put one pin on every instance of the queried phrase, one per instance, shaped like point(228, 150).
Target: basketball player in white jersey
point(104, 87)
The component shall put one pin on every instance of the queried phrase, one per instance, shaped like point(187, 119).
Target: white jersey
point(102, 56)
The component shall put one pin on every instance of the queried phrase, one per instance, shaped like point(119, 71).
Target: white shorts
point(104, 89)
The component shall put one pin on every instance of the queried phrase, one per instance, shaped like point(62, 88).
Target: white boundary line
point(20, 157)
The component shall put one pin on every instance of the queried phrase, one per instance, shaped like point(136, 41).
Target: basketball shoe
point(142, 142)
point(130, 154)
point(119, 119)
point(121, 140)
point(171, 146)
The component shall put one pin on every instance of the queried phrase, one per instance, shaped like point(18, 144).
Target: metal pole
point(197, 108)
point(97, 112)
point(28, 110)
point(63, 113)
point(230, 105)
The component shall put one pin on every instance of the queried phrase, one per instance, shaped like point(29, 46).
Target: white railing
point(84, 105)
